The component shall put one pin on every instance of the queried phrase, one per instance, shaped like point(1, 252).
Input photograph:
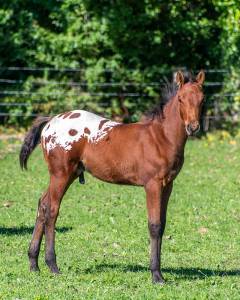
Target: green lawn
point(102, 239)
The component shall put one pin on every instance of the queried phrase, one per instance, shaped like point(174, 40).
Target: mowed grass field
point(102, 241)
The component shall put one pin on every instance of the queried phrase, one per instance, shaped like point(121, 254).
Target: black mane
point(167, 92)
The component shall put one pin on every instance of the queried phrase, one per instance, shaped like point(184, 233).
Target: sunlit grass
point(102, 239)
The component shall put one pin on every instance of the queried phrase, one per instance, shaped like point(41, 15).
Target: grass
point(102, 239)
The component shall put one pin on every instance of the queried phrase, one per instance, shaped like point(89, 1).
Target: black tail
point(32, 139)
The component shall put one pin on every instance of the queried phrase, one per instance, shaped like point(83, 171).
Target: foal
point(148, 153)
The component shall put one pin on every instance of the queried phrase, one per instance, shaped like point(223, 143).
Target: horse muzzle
point(192, 128)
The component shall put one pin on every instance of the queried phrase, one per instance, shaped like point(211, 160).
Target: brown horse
point(149, 153)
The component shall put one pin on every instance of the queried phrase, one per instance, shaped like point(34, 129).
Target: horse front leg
point(157, 200)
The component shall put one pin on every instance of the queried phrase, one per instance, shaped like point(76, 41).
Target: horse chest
point(174, 170)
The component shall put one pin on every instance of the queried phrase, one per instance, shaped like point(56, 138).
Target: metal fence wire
point(21, 101)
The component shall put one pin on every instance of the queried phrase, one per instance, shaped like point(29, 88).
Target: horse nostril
point(192, 127)
point(195, 126)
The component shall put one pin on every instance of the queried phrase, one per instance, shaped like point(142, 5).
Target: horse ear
point(200, 77)
point(179, 79)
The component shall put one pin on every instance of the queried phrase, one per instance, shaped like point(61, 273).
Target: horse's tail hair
point(32, 139)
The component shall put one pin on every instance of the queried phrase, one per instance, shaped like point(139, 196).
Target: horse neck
point(173, 126)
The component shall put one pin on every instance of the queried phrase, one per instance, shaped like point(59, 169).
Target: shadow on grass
point(191, 273)
point(22, 230)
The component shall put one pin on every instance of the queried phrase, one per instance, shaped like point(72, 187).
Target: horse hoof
point(54, 270)
point(158, 279)
point(34, 269)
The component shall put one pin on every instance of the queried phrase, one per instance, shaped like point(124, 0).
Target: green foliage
point(139, 41)
point(230, 36)
point(232, 86)
point(230, 43)
point(102, 241)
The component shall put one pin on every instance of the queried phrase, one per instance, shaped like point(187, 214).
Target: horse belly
point(110, 166)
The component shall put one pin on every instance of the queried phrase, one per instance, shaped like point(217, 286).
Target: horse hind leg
point(58, 187)
point(35, 244)
point(47, 213)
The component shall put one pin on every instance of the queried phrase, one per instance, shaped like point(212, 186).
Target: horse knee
point(156, 230)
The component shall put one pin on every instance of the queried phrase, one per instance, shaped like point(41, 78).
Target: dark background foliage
point(120, 50)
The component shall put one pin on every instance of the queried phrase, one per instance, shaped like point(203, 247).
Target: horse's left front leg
point(157, 200)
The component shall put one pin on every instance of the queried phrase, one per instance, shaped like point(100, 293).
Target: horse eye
point(179, 99)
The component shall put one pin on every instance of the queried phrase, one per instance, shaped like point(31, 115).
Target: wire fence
point(15, 98)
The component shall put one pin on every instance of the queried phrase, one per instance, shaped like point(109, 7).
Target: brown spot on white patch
point(72, 132)
point(53, 139)
point(86, 130)
point(67, 114)
point(75, 115)
point(102, 123)
point(48, 139)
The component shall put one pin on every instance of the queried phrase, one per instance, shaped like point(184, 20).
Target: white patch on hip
point(65, 129)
